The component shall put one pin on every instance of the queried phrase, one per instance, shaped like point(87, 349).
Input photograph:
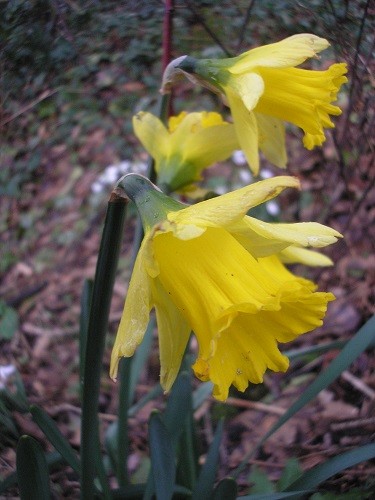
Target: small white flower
point(266, 173)
point(97, 187)
point(272, 208)
point(5, 372)
point(246, 176)
point(239, 158)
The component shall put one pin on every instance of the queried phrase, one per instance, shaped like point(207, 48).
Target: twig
point(190, 5)
point(244, 25)
point(26, 294)
point(352, 424)
point(31, 329)
point(167, 33)
point(167, 47)
point(44, 95)
point(69, 408)
point(358, 384)
point(255, 405)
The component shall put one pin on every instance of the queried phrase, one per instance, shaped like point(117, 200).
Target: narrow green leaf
point(290, 473)
point(206, 480)
point(83, 323)
point(111, 442)
point(32, 470)
point(354, 347)
point(122, 427)
point(162, 458)
point(260, 481)
point(187, 459)
point(8, 321)
point(91, 462)
point(200, 395)
point(152, 394)
point(315, 349)
point(179, 420)
point(53, 434)
point(321, 472)
point(276, 496)
point(225, 490)
point(178, 406)
point(14, 401)
point(53, 459)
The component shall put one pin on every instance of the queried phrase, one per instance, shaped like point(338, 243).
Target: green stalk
point(106, 267)
point(151, 174)
point(122, 427)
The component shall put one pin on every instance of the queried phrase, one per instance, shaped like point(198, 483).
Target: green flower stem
point(122, 427)
point(162, 113)
point(97, 328)
point(151, 174)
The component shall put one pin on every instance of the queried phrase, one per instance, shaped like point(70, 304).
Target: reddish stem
point(167, 41)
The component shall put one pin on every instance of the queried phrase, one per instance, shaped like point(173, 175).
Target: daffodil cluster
point(211, 269)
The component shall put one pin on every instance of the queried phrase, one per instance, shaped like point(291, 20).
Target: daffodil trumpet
point(264, 89)
point(211, 269)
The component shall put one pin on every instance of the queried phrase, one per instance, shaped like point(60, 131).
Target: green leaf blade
point(206, 480)
point(32, 470)
point(324, 471)
point(162, 458)
point(53, 434)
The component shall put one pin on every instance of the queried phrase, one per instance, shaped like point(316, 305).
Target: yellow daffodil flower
point(191, 143)
point(264, 88)
point(211, 269)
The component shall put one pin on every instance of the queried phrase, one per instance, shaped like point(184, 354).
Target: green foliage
point(32, 470)
point(8, 321)
point(29, 29)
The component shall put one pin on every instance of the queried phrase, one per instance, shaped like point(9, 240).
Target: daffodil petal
point(211, 145)
point(173, 332)
point(136, 312)
point(175, 121)
point(272, 139)
point(298, 255)
point(246, 129)
point(255, 243)
point(231, 207)
point(291, 51)
point(262, 238)
point(153, 135)
point(250, 88)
